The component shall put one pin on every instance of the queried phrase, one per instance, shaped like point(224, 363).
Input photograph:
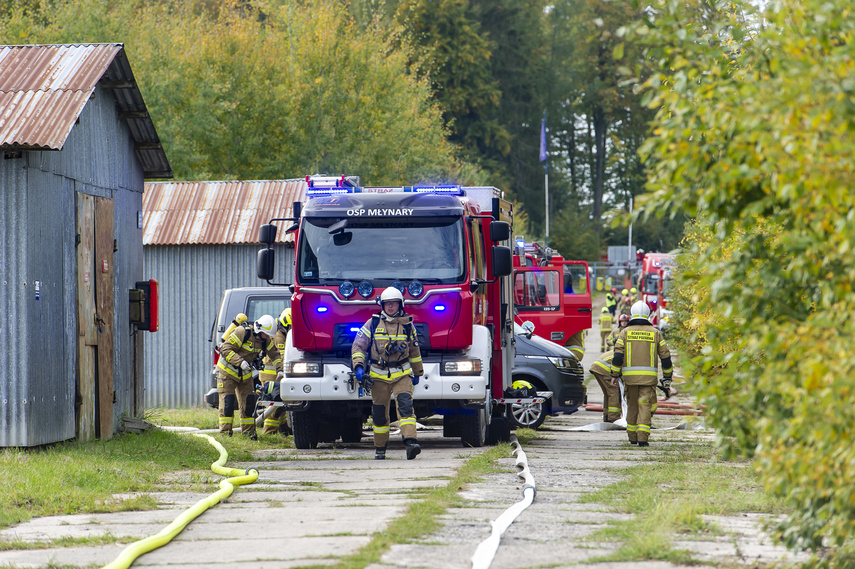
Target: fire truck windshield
point(430, 249)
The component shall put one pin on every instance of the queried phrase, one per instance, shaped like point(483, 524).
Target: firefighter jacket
point(606, 321)
point(625, 305)
point(610, 300)
point(269, 371)
point(602, 367)
point(638, 350)
point(390, 346)
point(243, 345)
point(610, 341)
point(576, 344)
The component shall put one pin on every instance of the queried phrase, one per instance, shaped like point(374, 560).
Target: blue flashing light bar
point(329, 185)
point(439, 307)
point(322, 309)
point(453, 190)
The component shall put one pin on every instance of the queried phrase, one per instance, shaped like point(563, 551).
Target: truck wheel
point(305, 427)
point(351, 429)
point(499, 431)
point(473, 429)
point(526, 415)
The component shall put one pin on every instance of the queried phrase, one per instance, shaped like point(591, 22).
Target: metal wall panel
point(192, 280)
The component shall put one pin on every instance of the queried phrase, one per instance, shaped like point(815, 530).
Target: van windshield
point(430, 249)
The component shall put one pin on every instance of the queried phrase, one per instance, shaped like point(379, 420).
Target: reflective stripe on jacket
point(638, 350)
point(371, 347)
point(273, 366)
point(244, 346)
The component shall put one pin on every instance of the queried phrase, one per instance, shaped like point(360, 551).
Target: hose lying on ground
point(227, 486)
point(486, 550)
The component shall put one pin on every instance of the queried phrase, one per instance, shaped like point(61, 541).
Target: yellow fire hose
point(227, 486)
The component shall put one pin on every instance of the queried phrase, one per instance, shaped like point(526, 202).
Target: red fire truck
point(655, 276)
point(446, 248)
point(552, 293)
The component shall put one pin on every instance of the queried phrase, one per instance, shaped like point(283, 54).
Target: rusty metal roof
point(44, 88)
point(216, 213)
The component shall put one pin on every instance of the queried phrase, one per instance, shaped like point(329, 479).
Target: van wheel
point(305, 427)
point(526, 415)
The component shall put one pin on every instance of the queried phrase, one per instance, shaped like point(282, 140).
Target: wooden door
point(95, 307)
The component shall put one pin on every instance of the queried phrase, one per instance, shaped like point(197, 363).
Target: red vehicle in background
point(552, 293)
point(655, 276)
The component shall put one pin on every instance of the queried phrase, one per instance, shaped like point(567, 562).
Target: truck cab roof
point(390, 204)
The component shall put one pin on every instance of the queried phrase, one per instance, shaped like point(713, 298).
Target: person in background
point(601, 370)
point(638, 351)
point(388, 347)
point(623, 320)
point(606, 321)
point(276, 422)
point(624, 304)
point(611, 301)
point(235, 385)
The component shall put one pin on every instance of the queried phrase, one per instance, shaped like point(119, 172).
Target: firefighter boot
point(413, 448)
point(380, 453)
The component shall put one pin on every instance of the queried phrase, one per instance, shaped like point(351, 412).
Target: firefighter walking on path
point(638, 351)
point(606, 322)
point(235, 386)
point(276, 422)
point(387, 344)
point(611, 301)
point(601, 370)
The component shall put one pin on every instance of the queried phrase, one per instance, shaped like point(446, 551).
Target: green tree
point(754, 134)
point(263, 90)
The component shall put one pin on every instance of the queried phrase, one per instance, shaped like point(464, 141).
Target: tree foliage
point(755, 134)
point(256, 90)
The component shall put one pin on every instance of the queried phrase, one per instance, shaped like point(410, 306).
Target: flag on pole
point(543, 140)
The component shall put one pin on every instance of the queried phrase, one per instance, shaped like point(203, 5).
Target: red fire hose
point(682, 410)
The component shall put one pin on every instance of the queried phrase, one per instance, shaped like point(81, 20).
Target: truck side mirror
point(298, 210)
point(499, 231)
point(502, 260)
point(267, 234)
point(264, 264)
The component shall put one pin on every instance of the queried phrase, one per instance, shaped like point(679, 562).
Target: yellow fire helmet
point(285, 318)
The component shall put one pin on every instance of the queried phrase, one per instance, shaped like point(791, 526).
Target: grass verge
point(668, 499)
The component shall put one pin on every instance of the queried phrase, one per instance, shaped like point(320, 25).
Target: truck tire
point(305, 427)
point(499, 431)
point(473, 429)
point(351, 429)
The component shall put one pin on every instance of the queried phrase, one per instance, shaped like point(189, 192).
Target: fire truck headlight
point(464, 367)
point(346, 289)
point(365, 289)
point(302, 368)
point(415, 289)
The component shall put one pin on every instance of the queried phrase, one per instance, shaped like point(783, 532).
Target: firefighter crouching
point(601, 370)
point(388, 347)
point(234, 379)
point(638, 350)
point(275, 422)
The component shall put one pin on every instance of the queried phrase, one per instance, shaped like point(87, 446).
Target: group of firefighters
point(386, 359)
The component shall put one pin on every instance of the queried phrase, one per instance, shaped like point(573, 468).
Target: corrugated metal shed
point(45, 88)
point(216, 213)
point(201, 238)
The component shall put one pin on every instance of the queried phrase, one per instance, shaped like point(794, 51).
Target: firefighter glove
point(359, 372)
point(244, 365)
point(415, 380)
point(666, 382)
point(280, 375)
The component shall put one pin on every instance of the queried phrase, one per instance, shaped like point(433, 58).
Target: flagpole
point(546, 193)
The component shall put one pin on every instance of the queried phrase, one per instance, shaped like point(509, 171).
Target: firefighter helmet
point(623, 320)
point(624, 292)
point(633, 290)
point(285, 318)
point(265, 324)
point(391, 294)
point(640, 310)
point(605, 310)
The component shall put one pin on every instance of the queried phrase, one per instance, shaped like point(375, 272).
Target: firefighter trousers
point(275, 422)
point(381, 396)
point(233, 397)
point(603, 335)
point(640, 405)
point(611, 396)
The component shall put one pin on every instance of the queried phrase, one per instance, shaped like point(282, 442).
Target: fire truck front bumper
point(462, 380)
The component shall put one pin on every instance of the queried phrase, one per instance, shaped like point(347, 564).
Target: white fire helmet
point(639, 310)
point(265, 324)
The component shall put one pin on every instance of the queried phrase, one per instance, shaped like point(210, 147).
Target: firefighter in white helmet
point(638, 351)
point(270, 378)
point(386, 358)
point(235, 385)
